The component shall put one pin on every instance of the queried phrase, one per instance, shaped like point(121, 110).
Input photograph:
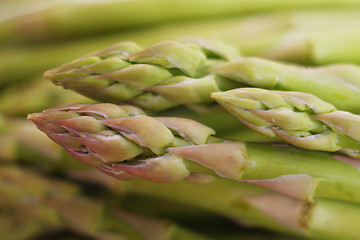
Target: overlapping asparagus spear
point(301, 119)
point(126, 144)
point(156, 78)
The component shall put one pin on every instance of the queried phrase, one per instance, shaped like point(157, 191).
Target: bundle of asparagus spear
point(186, 120)
point(309, 192)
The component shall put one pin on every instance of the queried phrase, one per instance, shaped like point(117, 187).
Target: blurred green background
point(44, 194)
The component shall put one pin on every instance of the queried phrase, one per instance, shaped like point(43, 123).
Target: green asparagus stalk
point(122, 142)
point(63, 19)
point(310, 218)
point(336, 84)
point(156, 78)
point(301, 119)
point(323, 219)
point(185, 212)
point(252, 205)
point(60, 205)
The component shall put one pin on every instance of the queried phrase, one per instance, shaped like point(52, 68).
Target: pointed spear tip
point(33, 116)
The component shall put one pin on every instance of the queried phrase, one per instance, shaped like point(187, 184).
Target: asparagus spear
point(126, 144)
point(299, 118)
point(336, 84)
point(21, 143)
point(156, 78)
point(252, 205)
point(322, 219)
